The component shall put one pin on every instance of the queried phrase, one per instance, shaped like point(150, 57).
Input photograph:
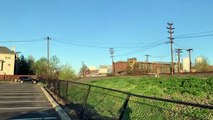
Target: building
point(120, 66)
point(105, 69)
point(137, 67)
point(7, 61)
point(186, 64)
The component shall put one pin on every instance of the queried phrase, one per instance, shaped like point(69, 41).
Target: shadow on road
point(49, 114)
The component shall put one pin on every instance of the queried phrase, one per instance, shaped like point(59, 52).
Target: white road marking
point(21, 101)
point(23, 96)
point(43, 118)
point(18, 93)
point(24, 108)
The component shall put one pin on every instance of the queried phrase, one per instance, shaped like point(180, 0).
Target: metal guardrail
point(106, 103)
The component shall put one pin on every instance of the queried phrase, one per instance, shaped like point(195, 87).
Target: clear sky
point(84, 30)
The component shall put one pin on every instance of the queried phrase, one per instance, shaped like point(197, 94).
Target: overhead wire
point(20, 41)
point(142, 49)
point(196, 33)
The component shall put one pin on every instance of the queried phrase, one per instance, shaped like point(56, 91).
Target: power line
point(195, 36)
point(93, 46)
point(162, 56)
point(20, 41)
point(196, 33)
point(142, 49)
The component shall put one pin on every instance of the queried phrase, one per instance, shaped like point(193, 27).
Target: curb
point(55, 105)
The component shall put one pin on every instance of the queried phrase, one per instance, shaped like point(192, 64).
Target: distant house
point(105, 69)
point(7, 61)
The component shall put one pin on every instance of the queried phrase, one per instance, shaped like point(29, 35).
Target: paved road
point(24, 102)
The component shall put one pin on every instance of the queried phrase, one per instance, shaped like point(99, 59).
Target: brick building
point(133, 66)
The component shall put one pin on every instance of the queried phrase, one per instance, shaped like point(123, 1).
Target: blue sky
point(84, 30)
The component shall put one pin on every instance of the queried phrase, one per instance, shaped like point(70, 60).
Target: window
point(7, 57)
point(1, 65)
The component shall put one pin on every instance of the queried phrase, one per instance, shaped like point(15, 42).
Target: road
point(24, 102)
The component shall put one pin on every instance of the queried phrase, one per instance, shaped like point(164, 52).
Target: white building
point(186, 64)
point(105, 69)
point(7, 61)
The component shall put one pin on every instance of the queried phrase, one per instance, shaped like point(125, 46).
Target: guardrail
point(95, 102)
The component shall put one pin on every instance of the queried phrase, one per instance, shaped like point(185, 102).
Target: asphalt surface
point(24, 101)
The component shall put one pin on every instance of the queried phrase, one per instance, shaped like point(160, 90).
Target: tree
point(41, 67)
point(31, 62)
point(66, 72)
point(82, 70)
point(54, 66)
point(23, 66)
point(203, 65)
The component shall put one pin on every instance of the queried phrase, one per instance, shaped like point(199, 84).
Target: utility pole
point(83, 69)
point(111, 51)
point(48, 55)
point(190, 62)
point(170, 28)
point(179, 51)
point(147, 62)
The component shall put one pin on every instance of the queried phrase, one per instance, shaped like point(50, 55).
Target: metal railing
point(95, 102)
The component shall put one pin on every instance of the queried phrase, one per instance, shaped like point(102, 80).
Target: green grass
point(186, 89)
point(106, 103)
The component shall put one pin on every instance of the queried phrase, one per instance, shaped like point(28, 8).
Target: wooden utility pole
point(111, 51)
point(170, 28)
point(147, 63)
point(83, 70)
point(48, 55)
point(179, 51)
point(190, 61)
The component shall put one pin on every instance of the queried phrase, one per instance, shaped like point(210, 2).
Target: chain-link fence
point(94, 102)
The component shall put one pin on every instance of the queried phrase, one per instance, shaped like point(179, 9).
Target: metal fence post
point(85, 101)
point(59, 91)
point(66, 91)
point(124, 107)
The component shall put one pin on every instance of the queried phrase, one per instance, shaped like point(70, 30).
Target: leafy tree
point(31, 62)
point(41, 67)
point(54, 66)
point(203, 65)
point(66, 72)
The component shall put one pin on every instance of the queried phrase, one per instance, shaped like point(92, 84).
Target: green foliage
point(41, 67)
point(194, 90)
point(66, 72)
point(202, 66)
point(26, 66)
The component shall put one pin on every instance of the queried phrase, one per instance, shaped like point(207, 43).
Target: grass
point(185, 89)
point(107, 104)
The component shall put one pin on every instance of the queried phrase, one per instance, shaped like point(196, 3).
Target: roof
point(5, 50)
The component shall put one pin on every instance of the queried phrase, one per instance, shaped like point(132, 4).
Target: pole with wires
point(170, 28)
point(111, 51)
point(178, 52)
point(190, 61)
point(48, 55)
point(147, 63)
